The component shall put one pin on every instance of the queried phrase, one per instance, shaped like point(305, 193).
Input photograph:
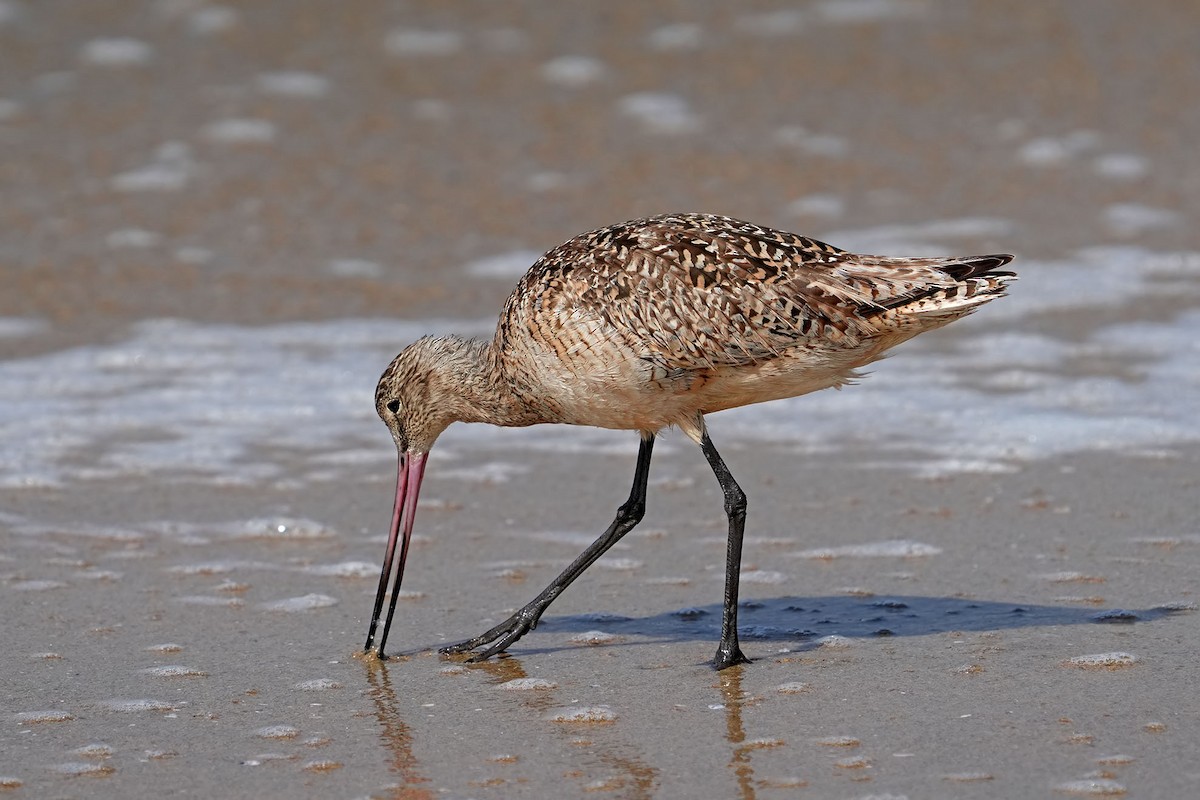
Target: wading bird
point(652, 323)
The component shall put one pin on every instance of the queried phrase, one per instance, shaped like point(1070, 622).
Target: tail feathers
point(973, 266)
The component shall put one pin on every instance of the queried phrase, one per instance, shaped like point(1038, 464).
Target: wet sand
point(988, 599)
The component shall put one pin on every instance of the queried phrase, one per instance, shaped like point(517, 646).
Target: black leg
point(728, 652)
point(525, 620)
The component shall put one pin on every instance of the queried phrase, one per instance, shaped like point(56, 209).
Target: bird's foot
point(499, 637)
point(728, 655)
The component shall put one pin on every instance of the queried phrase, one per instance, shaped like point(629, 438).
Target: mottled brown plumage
point(659, 321)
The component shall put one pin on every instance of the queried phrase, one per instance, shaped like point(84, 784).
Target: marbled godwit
point(657, 322)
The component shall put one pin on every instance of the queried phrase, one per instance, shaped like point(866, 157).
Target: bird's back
point(698, 312)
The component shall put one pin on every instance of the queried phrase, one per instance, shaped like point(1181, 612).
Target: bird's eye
point(393, 406)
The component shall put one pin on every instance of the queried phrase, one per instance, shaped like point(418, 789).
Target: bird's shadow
point(806, 620)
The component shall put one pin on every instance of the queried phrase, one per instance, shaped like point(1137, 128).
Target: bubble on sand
point(453, 669)
point(1100, 787)
point(583, 715)
point(415, 42)
point(318, 685)
point(206, 600)
point(1115, 660)
point(527, 684)
point(858, 762)
point(292, 83)
point(1116, 759)
point(892, 548)
point(839, 741)
point(763, 576)
point(793, 687)
point(174, 671)
point(594, 638)
point(321, 765)
point(84, 768)
point(35, 585)
point(968, 777)
point(116, 52)
point(7, 781)
point(48, 656)
point(834, 642)
point(141, 704)
point(660, 112)
point(619, 564)
point(239, 131)
point(573, 71)
point(277, 732)
point(95, 750)
point(306, 602)
point(41, 717)
point(165, 647)
point(279, 528)
point(346, 569)
point(1068, 576)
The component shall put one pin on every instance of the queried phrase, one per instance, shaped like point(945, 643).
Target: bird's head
point(417, 399)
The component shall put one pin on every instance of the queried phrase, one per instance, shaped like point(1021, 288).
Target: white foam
point(133, 238)
point(174, 671)
point(848, 12)
point(1050, 151)
point(573, 71)
point(318, 685)
point(139, 705)
point(1131, 219)
point(17, 327)
point(660, 112)
point(170, 170)
point(307, 602)
point(346, 569)
point(355, 268)
point(210, 20)
point(1121, 166)
point(817, 205)
point(527, 684)
point(1100, 787)
point(823, 145)
point(116, 52)
point(583, 714)
point(678, 36)
point(511, 265)
point(1115, 660)
point(292, 83)
point(415, 42)
point(239, 131)
point(892, 548)
point(784, 22)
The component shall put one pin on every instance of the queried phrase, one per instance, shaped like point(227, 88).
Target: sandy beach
point(971, 576)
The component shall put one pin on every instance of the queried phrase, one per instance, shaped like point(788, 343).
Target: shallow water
point(970, 575)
